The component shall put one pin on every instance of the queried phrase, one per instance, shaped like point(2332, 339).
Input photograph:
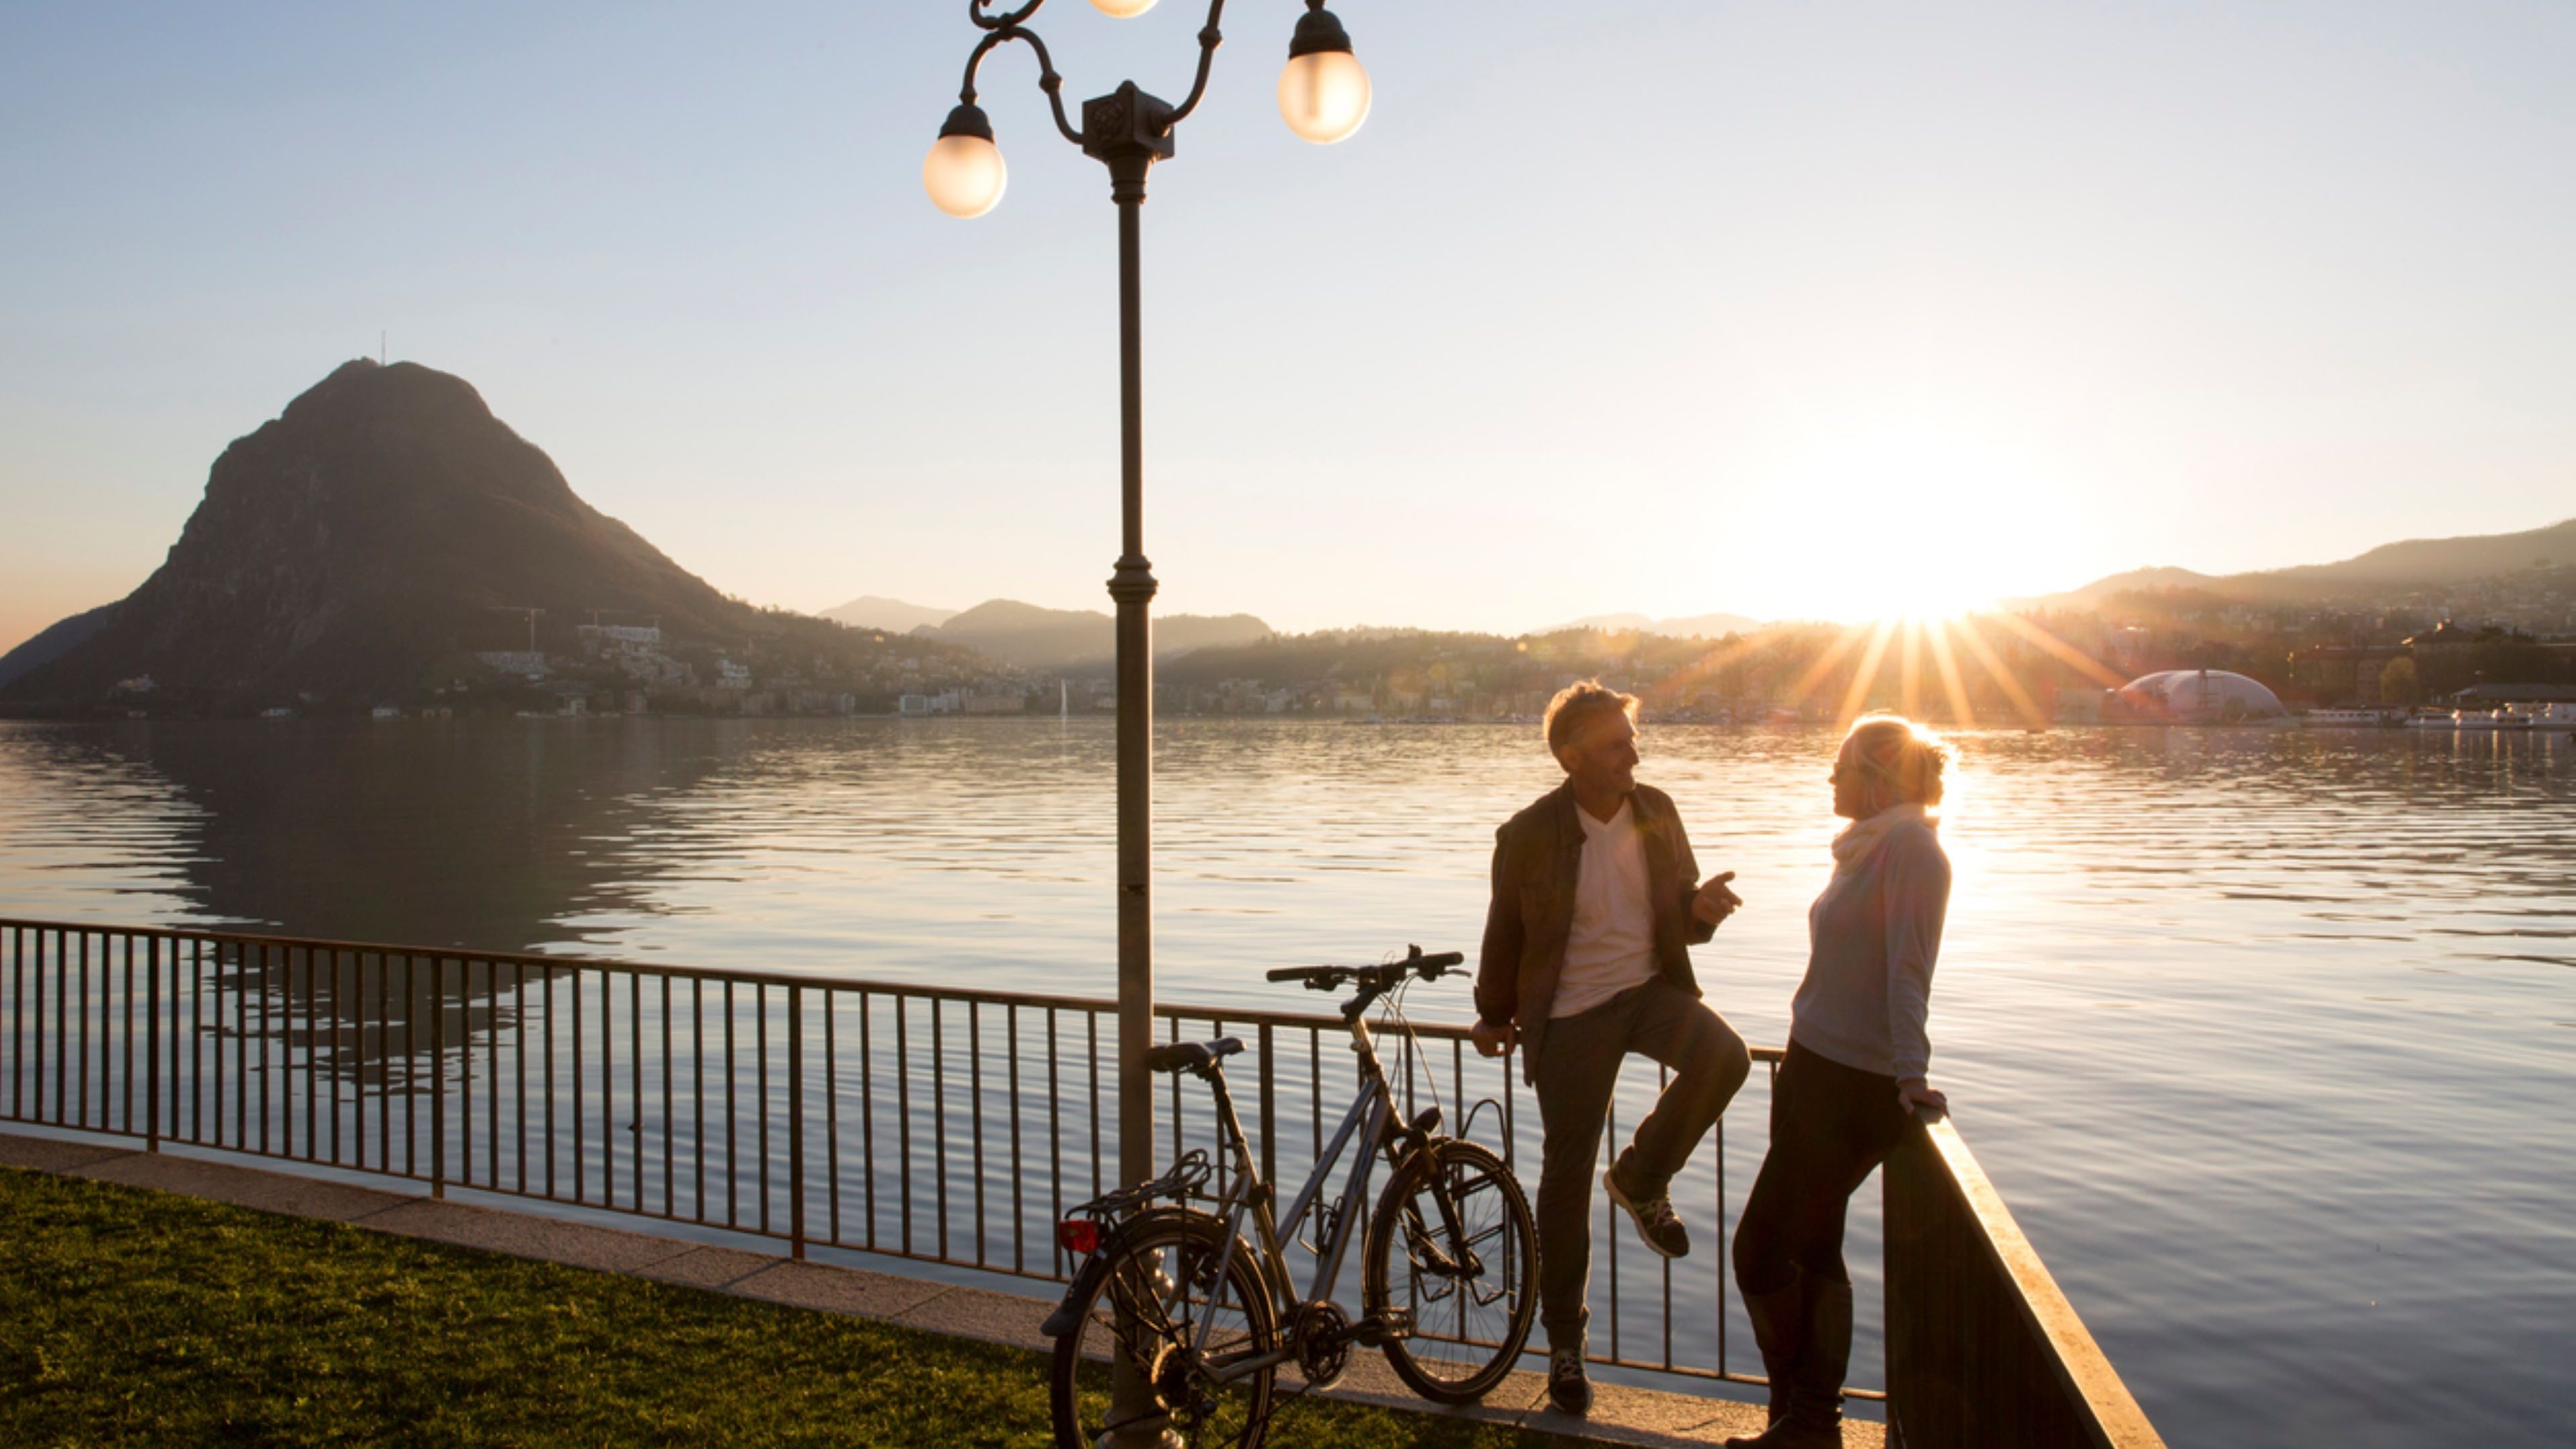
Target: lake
point(2267, 1036)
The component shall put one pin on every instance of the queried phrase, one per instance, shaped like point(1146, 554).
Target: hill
point(1037, 638)
point(1696, 626)
point(370, 539)
point(2415, 563)
point(868, 611)
point(53, 643)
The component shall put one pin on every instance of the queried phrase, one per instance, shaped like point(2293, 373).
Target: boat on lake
point(2348, 718)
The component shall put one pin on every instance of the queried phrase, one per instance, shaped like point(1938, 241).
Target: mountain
point(2135, 581)
point(1036, 638)
point(368, 541)
point(1695, 626)
point(53, 643)
point(2420, 562)
point(2443, 560)
point(871, 612)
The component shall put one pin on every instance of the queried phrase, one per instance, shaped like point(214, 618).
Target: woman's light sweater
point(1873, 936)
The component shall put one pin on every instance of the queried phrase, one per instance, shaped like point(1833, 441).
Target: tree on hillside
point(2398, 682)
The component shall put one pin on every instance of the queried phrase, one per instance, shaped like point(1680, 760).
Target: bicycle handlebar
point(1379, 977)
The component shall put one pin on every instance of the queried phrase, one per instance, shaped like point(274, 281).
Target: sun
point(1906, 520)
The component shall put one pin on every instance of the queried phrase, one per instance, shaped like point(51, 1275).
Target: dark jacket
point(1538, 857)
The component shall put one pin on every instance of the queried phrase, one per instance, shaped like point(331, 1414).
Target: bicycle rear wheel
point(1144, 1300)
point(1454, 1245)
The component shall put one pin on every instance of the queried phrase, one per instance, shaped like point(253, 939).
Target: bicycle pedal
point(1376, 1330)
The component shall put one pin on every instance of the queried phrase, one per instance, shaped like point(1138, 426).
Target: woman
point(1853, 1080)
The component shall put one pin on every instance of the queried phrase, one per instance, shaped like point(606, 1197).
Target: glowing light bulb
point(1122, 9)
point(1324, 93)
point(1324, 96)
point(964, 173)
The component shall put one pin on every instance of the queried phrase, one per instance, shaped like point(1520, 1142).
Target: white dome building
point(2194, 696)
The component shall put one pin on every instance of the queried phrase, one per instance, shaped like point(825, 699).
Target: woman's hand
point(1493, 1038)
point(1920, 1099)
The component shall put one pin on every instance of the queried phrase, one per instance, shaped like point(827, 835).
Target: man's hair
point(1907, 759)
point(1580, 703)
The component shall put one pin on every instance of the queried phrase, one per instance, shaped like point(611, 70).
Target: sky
point(1817, 310)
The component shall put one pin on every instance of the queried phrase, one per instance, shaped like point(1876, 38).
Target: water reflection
point(417, 833)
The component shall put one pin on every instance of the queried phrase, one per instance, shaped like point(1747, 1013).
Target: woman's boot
point(1822, 1355)
point(1779, 1325)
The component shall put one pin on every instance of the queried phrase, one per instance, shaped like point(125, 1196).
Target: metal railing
point(935, 1124)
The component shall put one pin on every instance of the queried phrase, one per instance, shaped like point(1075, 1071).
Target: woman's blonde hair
point(1905, 759)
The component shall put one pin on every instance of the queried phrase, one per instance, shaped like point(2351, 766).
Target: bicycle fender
point(1067, 1315)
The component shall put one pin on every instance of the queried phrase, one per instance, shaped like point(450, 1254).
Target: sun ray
point(1713, 661)
point(1823, 665)
point(1961, 714)
point(1910, 672)
point(2031, 713)
point(1865, 676)
point(2066, 653)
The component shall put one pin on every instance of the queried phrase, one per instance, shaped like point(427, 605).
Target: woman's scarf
point(1861, 838)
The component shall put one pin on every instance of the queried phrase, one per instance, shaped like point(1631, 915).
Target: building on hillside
point(525, 663)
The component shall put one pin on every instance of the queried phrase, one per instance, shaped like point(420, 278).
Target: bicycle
point(1204, 1318)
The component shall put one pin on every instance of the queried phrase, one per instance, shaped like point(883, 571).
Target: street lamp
point(1324, 96)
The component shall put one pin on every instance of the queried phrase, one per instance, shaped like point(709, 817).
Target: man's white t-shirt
point(1612, 945)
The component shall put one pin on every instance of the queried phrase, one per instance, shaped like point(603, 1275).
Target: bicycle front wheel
point(1145, 1300)
point(1454, 1246)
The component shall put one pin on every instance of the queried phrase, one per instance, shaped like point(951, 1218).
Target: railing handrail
point(2108, 1412)
point(809, 980)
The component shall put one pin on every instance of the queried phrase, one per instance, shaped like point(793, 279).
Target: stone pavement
point(1620, 1415)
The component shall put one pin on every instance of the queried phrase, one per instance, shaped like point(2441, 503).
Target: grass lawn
point(140, 1318)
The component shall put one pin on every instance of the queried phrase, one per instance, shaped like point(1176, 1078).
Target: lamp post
point(1323, 95)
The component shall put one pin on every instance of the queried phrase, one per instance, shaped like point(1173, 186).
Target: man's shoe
point(1567, 1388)
point(1657, 1223)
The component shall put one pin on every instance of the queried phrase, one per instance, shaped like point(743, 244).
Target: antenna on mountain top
point(381, 354)
point(520, 609)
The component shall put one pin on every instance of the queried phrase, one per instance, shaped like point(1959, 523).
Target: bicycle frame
point(1372, 1116)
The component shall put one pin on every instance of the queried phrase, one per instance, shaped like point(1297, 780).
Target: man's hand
point(1714, 902)
point(1920, 1099)
point(1493, 1038)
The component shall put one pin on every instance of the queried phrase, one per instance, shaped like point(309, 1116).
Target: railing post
point(438, 1077)
point(151, 1046)
point(796, 1121)
point(1269, 1112)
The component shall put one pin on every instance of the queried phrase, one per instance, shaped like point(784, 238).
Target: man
point(1596, 904)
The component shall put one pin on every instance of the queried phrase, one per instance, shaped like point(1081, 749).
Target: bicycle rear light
point(1079, 1236)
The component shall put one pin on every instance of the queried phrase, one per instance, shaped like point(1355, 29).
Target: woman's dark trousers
point(1577, 1073)
point(1831, 1126)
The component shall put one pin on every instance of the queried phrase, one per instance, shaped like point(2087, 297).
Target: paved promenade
point(1620, 1415)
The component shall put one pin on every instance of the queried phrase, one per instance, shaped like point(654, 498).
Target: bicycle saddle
point(1190, 1056)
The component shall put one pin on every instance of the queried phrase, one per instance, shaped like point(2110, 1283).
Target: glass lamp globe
point(1122, 9)
point(964, 175)
point(1324, 95)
